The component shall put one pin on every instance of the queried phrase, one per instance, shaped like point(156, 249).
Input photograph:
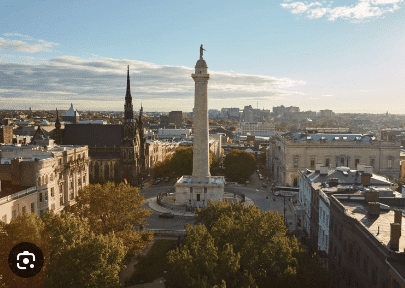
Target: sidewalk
point(154, 206)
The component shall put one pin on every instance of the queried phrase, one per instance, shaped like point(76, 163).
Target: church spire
point(57, 123)
point(128, 94)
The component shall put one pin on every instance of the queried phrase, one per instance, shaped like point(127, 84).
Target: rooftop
point(379, 226)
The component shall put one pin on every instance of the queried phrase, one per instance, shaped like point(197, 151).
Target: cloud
point(102, 81)
point(362, 9)
point(30, 45)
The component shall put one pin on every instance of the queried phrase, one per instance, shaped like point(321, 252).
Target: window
point(191, 189)
point(312, 163)
point(33, 207)
point(356, 162)
point(13, 214)
point(61, 200)
point(61, 189)
point(51, 177)
point(198, 197)
point(40, 197)
point(327, 162)
point(24, 209)
point(342, 161)
point(295, 161)
point(205, 190)
point(71, 184)
point(72, 196)
point(372, 161)
point(60, 161)
point(389, 164)
point(70, 159)
point(46, 179)
point(53, 206)
point(46, 195)
point(84, 179)
point(52, 192)
point(60, 176)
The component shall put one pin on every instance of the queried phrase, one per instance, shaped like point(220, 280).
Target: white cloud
point(30, 45)
point(102, 81)
point(362, 9)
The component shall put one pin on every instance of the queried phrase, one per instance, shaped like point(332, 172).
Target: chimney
point(374, 208)
point(360, 167)
point(365, 179)
point(395, 236)
point(372, 196)
point(333, 182)
point(323, 170)
point(318, 167)
point(368, 169)
point(398, 217)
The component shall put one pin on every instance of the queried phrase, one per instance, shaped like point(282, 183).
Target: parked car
point(247, 182)
point(264, 184)
point(166, 215)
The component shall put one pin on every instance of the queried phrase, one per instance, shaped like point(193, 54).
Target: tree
point(111, 208)
point(25, 228)
point(79, 258)
point(239, 246)
point(239, 165)
point(181, 162)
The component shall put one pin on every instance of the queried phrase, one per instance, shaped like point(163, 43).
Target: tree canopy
point(237, 246)
point(181, 163)
point(78, 257)
point(239, 165)
point(114, 208)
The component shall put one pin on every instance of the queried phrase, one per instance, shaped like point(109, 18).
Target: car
point(247, 182)
point(166, 215)
point(264, 184)
point(260, 177)
point(166, 179)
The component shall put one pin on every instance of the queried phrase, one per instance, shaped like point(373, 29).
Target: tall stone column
point(201, 167)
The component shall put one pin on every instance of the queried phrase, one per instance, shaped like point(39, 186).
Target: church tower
point(129, 123)
point(58, 132)
point(142, 142)
point(129, 142)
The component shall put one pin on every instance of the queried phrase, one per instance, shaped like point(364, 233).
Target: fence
point(17, 195)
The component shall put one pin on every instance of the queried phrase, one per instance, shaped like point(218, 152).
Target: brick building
point(6, 134)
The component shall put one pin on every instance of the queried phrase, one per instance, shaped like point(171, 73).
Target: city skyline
point(345, 56)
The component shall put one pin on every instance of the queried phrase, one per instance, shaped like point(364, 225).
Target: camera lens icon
point(26, 260)
point(25, 256)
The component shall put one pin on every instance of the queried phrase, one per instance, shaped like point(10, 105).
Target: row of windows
point(343, 162)
point(79, 156)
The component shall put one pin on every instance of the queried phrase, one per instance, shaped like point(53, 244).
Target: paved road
point(254, 191)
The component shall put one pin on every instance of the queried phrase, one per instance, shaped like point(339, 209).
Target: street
point(255, 191)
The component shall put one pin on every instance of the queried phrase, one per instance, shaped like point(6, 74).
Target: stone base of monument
point(196, 192)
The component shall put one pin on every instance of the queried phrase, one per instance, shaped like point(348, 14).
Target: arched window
point(96, 171)
point(51, 177)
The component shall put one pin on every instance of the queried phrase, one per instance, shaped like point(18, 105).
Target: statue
point(201, 51)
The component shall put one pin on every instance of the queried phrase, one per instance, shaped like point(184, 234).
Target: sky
point(347, 56)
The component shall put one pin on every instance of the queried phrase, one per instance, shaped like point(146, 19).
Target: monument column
point(201, 163)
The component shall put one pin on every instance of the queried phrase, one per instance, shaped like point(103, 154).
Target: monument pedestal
point(194, 192)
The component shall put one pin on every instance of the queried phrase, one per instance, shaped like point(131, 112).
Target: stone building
point(41, 177)
point(290, 153)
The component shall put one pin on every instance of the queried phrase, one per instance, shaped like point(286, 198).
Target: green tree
point(111, 208)
point(79, 258)
point(25, 228)
point(239, 246)
point(181, 162)
point(239, 165)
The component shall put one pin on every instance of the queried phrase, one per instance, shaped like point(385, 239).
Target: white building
point(257, 128)
point(41, 177)
point(173, 133)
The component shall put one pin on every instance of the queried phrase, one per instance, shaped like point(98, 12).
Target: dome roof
point(201, 64)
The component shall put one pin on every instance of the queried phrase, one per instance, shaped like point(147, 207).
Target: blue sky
point(347, 56)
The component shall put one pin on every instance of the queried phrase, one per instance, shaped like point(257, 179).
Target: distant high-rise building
point(176, 117)
point(6, 134)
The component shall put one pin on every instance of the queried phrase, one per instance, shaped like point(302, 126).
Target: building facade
point(290, 153)
point(37, 178)
point(6, 134)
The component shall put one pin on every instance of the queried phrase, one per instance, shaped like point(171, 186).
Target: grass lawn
point(153, 264)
